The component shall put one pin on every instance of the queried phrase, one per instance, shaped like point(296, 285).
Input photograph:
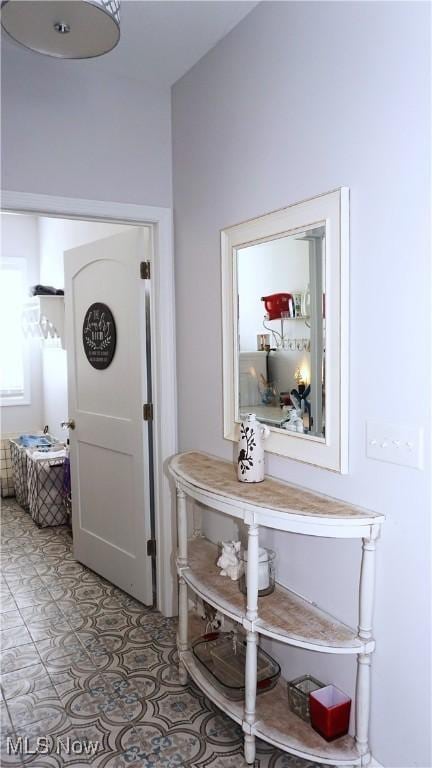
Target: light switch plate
point(396, 443)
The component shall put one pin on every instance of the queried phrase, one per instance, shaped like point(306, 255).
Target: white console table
point(283, 616)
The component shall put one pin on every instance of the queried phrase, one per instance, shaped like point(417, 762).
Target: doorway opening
point(75, 294)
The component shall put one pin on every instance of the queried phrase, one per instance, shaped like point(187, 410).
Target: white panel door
point(109, 445)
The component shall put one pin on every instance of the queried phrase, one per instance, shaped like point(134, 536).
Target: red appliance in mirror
point(277, 303)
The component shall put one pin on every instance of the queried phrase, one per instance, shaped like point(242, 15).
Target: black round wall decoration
point(99, 335)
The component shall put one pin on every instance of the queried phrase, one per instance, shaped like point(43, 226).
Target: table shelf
point(282, 616)
point(234, 709)
point(272, 503)
point(275, 722)
point(277, 725)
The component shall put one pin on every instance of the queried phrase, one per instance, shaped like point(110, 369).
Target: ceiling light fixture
point(66, 29)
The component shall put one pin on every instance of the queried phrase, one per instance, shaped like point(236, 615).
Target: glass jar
point(266, 571)
point(298, 695)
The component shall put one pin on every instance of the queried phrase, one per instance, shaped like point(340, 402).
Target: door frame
point(164, 374)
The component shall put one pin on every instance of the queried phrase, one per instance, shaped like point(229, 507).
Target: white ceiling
point(160, 41)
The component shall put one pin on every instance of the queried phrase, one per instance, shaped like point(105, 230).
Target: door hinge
point(145, 270)
point(151, 547)
point(148, 411)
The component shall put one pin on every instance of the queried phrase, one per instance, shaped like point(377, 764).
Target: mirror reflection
point(281, 331)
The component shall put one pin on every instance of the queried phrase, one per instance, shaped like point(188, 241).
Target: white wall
point(19, 238)
point(58, 235)
point(299, 99)
point(70, 130)
point(55, 237)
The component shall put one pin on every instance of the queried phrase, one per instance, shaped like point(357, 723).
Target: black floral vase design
point(245, 458)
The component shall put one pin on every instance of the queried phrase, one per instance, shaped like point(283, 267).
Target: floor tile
point(18, 658)
point(42, 611)
point(4, 591)
point(5, 722)
point(41, 705)
point(96, 700)
point(78, 623)
point(131, 687)
point(21, 585)
point(7, 604)
point(24, 681)
point(47, 565)
point(72, 607)
point(110, 621)
point(10, 619)
point(145, 658)
point(71, 568)
point(16, 570)
point(100, 644)
point(33, 597)
point(46, 628)
point(81, 662)
point(64, 641)
point(58, 656)
point(53, 580)
point(14, 637)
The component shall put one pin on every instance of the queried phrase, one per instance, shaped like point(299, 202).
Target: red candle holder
point(330, 712)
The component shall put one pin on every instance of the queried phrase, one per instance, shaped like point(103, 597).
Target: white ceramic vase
point(251, 450)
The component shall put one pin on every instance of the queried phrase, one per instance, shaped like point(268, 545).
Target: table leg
point(182, 638)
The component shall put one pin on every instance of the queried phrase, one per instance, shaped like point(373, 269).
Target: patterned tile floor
point(83, 661)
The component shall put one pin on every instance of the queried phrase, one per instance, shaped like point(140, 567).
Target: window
point(14, 363)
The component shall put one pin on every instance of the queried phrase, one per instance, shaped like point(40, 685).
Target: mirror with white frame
point(285, 318)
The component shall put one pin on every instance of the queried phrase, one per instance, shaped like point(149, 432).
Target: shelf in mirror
point(282, 616)
point(271, 414)
point(295, 317)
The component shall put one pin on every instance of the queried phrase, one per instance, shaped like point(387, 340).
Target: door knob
point(68, 424)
